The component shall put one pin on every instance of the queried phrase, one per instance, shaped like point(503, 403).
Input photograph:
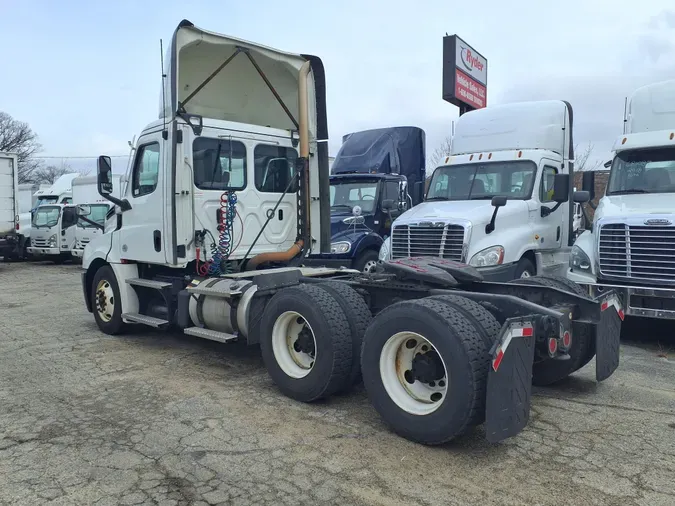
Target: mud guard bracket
point(509, 386)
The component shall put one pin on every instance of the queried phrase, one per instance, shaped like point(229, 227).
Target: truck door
point(68, 228)
point(142, 233)
point(548, 230)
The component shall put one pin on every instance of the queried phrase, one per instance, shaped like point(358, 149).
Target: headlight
point(340, 247)
point(579, 260)
point(52, 241)
point(385, 250)
point(494, 255)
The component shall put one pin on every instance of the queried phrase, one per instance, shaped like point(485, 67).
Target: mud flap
point(607, 338)
point(509, 385)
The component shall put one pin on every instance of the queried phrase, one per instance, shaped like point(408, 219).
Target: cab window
point(146, 170)
point(274, 168)
point(219, 164)
point(547, 181)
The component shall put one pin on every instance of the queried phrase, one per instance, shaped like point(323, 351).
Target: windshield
point(643, 171)
point(46, 216)
point(344, 196)
point(482, 181)
point(97, 214)
point(47, 200)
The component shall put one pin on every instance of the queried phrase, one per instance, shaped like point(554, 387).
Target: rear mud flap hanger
point(197, 128)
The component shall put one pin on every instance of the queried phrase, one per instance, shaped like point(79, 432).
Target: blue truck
point(376, 175)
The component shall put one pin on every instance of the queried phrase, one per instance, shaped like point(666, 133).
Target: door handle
point(157, 238)
point(281, 214)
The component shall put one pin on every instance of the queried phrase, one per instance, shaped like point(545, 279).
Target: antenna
point(625, 114)
point(452, 129)
point(161, 59)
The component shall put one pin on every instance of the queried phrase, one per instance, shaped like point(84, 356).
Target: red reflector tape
point(621, 314)
point(604, 306)
point(528, 331)
point(497, 360)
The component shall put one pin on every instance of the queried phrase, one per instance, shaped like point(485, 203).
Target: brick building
point(601, 177)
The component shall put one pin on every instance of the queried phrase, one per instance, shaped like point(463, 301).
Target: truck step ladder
point(213, 335)
point(148, 283)
point(151, 321)
point(214, 292)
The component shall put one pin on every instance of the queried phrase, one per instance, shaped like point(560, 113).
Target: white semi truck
point(629, 248)
point(228, 195)
point(501, 201)
point(10, 241)
point(85, 192)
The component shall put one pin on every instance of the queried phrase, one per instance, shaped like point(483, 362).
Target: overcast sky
point(87, 77)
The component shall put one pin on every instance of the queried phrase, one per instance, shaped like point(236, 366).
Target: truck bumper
point(77, 253)
point(649, 302)
point(44, 251)
point(499, 273)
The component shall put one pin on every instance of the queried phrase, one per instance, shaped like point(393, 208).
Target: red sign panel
point(469, 90)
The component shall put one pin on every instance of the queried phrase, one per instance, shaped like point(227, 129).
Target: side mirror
point(499, 201)
point(581, 197)
point(607, 164)
point(104, 176)
point(388, 205)
point(83, 210)
point(561, 188)
point(588, 183)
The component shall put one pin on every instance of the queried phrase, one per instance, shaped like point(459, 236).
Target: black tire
point(548, 371)
point(364, 258)
point(115, 326)
point(466, 359)
point(525, 264)
point(358, 318)
point(332, 335)
point(486, 324)
point(25, 256)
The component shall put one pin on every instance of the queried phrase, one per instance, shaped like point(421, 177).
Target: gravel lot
point(150, 418)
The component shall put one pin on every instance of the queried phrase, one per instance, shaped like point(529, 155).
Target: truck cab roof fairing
point(238, 92)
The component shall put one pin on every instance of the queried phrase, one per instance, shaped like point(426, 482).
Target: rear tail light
point(552, 346)
point(566, 339)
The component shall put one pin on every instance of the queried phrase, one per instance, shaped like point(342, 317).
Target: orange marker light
point(471, 158)
point(624, 140)
point(489, 156)
point(480, 157)
point(520, 153)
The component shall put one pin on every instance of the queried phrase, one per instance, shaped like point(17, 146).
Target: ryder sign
point(464, 75)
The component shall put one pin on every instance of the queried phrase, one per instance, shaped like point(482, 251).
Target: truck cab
point(629, 247)
point(376, 175)
point(53, 231)
point(501, 201)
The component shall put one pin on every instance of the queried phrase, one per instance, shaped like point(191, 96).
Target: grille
point(39, 243)
point(638, 252)
point(428, 240)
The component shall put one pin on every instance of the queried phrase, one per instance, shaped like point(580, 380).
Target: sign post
point(464, 75)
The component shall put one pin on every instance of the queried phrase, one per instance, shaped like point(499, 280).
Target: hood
point(478, 212)
point(627, 205)
point(338, 226)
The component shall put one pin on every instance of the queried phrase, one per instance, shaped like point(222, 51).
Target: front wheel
point(525, 269)
point(366, 261)
point(105, 296)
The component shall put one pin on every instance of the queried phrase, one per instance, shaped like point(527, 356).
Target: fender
point(367, 241)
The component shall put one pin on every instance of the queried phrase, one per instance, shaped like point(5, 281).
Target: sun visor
point(238, 92)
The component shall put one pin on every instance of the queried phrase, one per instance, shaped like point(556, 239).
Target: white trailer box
point(9, 204)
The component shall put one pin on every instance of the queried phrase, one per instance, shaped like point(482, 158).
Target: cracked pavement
point(167, 419)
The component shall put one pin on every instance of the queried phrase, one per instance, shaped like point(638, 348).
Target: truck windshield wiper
point(436, 198)
point(481, 197)
point(626, 192)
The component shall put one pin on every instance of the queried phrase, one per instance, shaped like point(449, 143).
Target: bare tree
point(51, 173)
point(17, 137)
point(439, 154)
point(583, 159)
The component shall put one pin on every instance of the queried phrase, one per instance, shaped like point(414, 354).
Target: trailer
point(10, 240)
point(439, 349)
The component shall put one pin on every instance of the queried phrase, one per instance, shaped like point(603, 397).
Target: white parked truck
point(53, 232)
point(630, 246)
point(501, 201)
point(228, 194)
point(85, 192)
point(57, 193)
point(10, 241)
